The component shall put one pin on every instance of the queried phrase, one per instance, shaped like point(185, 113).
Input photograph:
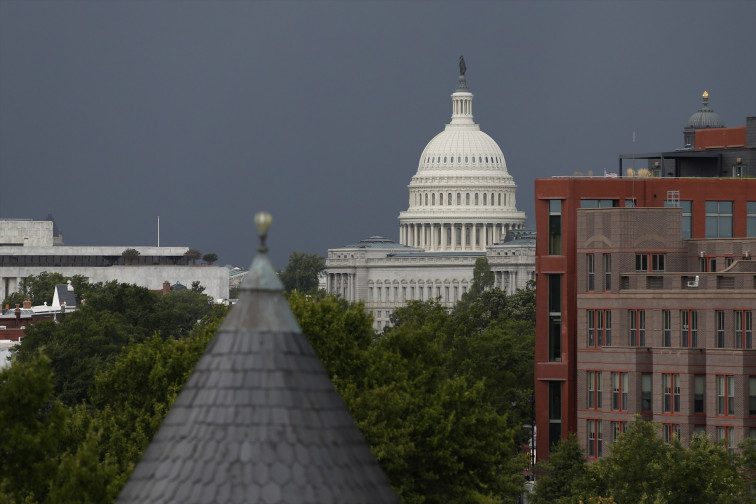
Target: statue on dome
point(462, 66)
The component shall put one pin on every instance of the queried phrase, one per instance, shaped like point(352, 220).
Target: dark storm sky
point(202, 113)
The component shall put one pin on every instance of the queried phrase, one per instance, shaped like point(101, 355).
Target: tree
point(31, 427)
point(210, 258)
point(197, 287)
point(561, 479)
point(301, 273)
point(433, 431)
point(40, 289)
point(130, 255)
point(634, 470)
point(193, 255)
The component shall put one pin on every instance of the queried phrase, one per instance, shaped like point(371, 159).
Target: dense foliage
point(642, 468)
point(85, 394)
point(301, 272)
point(440, 397)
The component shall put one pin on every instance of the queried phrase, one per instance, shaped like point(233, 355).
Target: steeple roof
point(259, 421)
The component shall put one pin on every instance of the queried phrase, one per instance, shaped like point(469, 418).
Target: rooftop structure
point(259, 421)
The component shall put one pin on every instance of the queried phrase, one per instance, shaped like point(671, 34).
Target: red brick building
point(645, 299)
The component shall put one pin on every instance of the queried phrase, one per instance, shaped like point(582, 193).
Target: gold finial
point(705, 94)
point(263, 220)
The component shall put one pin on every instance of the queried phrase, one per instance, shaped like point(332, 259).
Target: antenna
point(635, 174)
point(158, 231)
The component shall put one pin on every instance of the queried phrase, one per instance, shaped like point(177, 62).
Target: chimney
point(18, 312)
point(27, 303)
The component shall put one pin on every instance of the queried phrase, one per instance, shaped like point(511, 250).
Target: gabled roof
point(64, 293)
point(259, 421)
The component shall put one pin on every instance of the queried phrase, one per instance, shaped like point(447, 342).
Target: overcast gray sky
point(114, 113)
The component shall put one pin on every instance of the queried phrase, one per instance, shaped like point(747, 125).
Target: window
point(751, 218)
point(687, 219)
point(667, 328)
point(743, 329)
point(591, 272)
point(726, 433)
point(607, 272)
point(555, 318)
point(449, 199)
point(699, 389)
point(719, 219)
point(599, 327)
point(671, 392)
point(671, 432)
point(467, 198)
point(752, 395)
point(594, 438)
point(594, 389)
point(720, 329)
point(441, 199)
point(555, 227)
point(433, 199)
point(657, 262)
point(619, 391)
point(646, 392)
point(598, 203)
point(555, 412)
point(637, 327)
point(617, 429)
point(608, 327)
point(476, 199)
point(688, 328)
point(725, 395)
point(641, 262)
point(459, 199)
point(708, 264)
point(485, 198)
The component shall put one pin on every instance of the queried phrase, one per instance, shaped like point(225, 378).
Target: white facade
point(461, 206)
point(154, 265)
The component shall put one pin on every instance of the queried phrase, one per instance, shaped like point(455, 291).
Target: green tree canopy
point(301, 273)
point(193, 255)
point(210, 258)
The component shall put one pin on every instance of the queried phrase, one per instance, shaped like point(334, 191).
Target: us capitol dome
point(461, 208)
point(462, 196)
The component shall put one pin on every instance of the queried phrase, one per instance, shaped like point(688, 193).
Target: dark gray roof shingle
point(259, 420)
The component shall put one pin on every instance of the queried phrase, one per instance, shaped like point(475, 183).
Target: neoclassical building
point(462, 206)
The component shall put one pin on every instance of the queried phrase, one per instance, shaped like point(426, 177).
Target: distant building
point(646, 291)
point(461, 207)
point(28, 248)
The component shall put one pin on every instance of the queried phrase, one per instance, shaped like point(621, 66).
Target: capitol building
point(462, 206)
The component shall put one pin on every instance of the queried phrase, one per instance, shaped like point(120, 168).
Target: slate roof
point(64, 295)
point(258, 421)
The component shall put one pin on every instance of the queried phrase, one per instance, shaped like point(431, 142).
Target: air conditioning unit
point(693, 283)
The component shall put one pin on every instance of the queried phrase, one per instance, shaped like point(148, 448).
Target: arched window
point(485, 202)
point(480, 159)
point(441, 199)
point(492, 199)
point(444, 159)
point(466, 159)
point(449, 199)
point(426, 198)
point(459, 159)
point(476, 199)
point(459, 199)
point(499, 199)
point(467, 198)
point(486, 159)
point(433, 199)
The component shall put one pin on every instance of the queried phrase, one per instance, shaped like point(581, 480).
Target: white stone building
point(27, 248)
point(462, 206)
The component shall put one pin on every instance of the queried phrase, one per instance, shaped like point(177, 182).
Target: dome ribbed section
point(462, 149)
point(705, 117)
